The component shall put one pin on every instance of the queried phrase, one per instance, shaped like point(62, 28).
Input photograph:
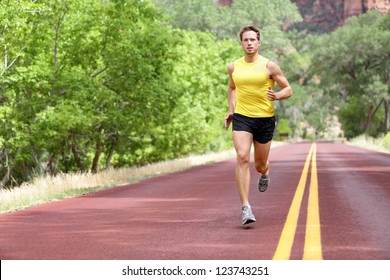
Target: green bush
point(283, 129)
point(386, 141)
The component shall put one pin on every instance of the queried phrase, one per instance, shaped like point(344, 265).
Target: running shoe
point(247, 216)
point(263, 183)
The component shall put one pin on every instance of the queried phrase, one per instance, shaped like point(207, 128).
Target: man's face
point(249, 42)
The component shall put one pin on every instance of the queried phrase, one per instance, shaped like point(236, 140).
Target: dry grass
point(376, 144)
point(46, 189)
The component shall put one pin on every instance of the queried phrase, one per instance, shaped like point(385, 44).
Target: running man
point(251, 109)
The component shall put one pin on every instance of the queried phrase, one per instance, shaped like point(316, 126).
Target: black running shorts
point(261, 128)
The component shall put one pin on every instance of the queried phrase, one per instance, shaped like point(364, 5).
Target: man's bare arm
point(231, 97)
point(275, 73)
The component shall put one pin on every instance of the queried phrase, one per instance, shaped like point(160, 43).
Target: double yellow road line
point(312, 247)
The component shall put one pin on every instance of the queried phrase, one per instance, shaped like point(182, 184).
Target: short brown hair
point(250, 28)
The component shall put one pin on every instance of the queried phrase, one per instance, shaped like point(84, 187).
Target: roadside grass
point(367, 142)
point(48, 189)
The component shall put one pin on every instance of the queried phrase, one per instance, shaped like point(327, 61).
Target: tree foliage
point(354, 63)
point(87, 85)
point(86, 76)
point(94, 84)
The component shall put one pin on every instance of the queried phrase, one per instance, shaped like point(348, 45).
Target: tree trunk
point(6, 177)
point(65, 157)
point(51, 165)
point(77, 157)
point(371, 115)
point(8, 172)
point(386, 102)
point(38, 165)
point(98, 150)
point(111, 152)
point(387, 120)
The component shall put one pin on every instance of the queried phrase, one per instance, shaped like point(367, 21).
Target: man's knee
point(262, 168)
point(243, 158)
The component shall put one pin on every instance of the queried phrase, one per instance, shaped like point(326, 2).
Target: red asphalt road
point(195, 214)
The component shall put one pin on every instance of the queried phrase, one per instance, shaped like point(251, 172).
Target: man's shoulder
point(231, 67)
point(239, 60)
point(272, 65)
point(264, 59)
point(235, 62)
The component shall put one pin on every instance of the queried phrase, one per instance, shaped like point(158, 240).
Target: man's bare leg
point(242, 143)
point(262, 163)
point(261, 153)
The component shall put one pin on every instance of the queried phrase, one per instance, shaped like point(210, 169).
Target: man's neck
point(249, 58)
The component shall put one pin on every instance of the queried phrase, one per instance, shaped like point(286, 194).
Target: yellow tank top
point(251, 88)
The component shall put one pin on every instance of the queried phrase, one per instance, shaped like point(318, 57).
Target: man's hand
point(271, 94)
point(228, 120)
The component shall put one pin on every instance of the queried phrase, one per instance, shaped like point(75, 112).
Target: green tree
point(88, 85)
point(225, 22)
point(283, 129)
point(92, 72)
point(17, 24)
point(196, 15)
point(353, 63)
